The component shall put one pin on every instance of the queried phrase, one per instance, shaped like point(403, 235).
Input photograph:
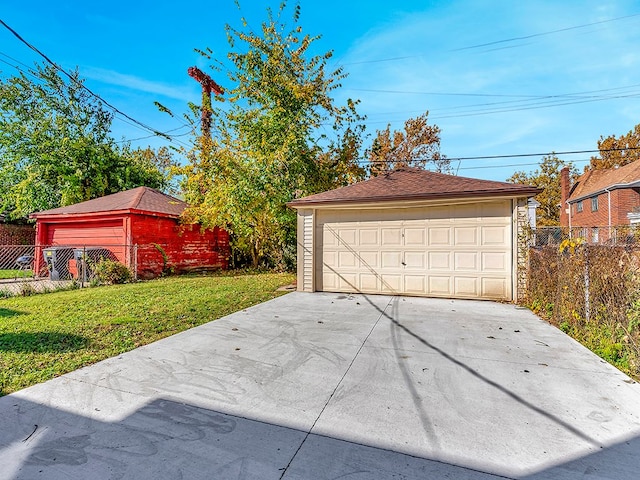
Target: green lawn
point(46, 335)
point(4, 274)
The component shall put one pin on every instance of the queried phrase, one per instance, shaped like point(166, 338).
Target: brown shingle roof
point(141, 199)
point(415, 184)
point(595, 181)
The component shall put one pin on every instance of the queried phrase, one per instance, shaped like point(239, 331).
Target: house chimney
point(564, 196)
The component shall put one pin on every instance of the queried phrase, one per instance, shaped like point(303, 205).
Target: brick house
point(600, 200)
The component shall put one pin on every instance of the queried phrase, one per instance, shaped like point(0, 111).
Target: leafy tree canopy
point(417, 146)
point(56, 148)
point(617, 151)
point(547, 177)
point(271, 140)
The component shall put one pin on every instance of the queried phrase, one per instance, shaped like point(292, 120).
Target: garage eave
point(414, 199)
point(57, 217)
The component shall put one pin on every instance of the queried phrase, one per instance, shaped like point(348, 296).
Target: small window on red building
point(594, 204)
point(579, 206)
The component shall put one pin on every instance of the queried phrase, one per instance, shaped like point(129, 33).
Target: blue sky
point(498, 77)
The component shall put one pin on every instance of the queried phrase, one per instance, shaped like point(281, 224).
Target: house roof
point(597, 181)
point(407, 183)
point(141, 199)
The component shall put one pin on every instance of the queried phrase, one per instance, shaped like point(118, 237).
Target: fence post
point(135, 262)
point(587, 300)
point(83, 266)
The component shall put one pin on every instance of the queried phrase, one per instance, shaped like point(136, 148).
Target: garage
point(413, 232)
point(140, 228)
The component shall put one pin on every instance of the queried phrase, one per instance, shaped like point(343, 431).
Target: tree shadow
point(6, 313)
point(40, 342)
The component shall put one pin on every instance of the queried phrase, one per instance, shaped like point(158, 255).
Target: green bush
point(108, 272)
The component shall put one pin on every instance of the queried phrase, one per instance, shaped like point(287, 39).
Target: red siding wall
point(185, 246)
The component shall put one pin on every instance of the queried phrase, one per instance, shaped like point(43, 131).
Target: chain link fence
point(616, 235)
point(26, 269)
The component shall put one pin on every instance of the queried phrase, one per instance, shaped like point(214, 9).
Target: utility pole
point(208, 86)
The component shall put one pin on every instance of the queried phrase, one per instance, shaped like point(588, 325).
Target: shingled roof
point(594, 182)
point(137, 200)
point(405, 184)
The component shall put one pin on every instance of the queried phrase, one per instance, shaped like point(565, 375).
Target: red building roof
point(407, 183)
point(141, 200)
point(596, 181)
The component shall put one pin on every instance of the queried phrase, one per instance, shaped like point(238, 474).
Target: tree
point(416, 146)
point(547, 177)
point(617, 152)
point(269, 144)
point(56, 148)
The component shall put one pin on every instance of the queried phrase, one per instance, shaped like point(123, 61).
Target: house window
point(595, 235)
point(579, 206)
point(594, 204)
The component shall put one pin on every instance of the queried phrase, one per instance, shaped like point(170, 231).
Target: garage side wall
point(166, 246)
point(306, 226)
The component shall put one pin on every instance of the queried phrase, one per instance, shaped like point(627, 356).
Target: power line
point(496, 42)
point(551, 32)
point(522, 155)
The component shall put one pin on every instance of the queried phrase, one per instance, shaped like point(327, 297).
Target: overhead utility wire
point(518, 155)
point(496, 42)
point(542, 34)
point(518, 108)
point(61, 70)
point(528, 164)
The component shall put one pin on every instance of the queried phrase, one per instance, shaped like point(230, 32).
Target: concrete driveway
point(328, 386)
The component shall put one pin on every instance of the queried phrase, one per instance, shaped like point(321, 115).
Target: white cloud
point(138, 84)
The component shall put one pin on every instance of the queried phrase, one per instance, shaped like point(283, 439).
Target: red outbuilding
point(140, 228)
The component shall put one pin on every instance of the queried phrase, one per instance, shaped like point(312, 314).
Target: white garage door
point(457, 251)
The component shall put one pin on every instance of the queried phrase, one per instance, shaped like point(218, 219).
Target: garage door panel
point(440, 285)
point(415, 284)
point(391, 236)
point(415, 260)
point(415, 237)
point(494, 288)
point(466, 261)
point(347, 259)
point(101, 233)
point(495, 262)
point(329, 281)
point(439, 236)
point(447, 251)
point(347, 281)
point(466, 286)
point(391, 259)
point(466, 235)
point(330, 259)
point(439, 260)
point(495, 236)
point(369, 237)
point(329, 237)
point(391, 283)
point(369, 260)
point(347, 236)
point(369, 282)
